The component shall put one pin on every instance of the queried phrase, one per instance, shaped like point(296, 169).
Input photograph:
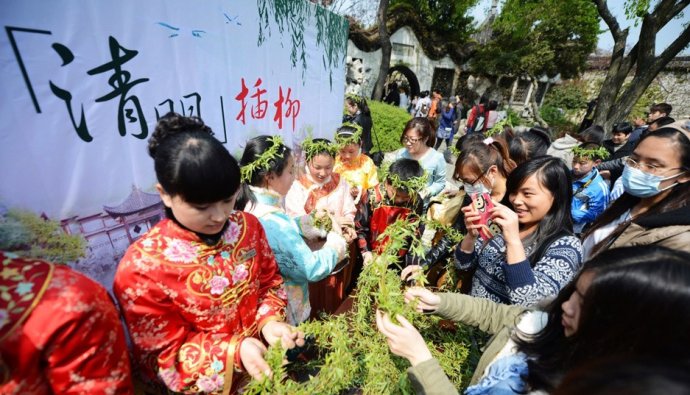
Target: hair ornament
point(489, 140)
point(312, 148)
point(263, 162)
point(345, 138)
point(591, 153)
point(413, 185)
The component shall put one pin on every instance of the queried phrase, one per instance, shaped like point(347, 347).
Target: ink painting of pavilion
point(110, 232)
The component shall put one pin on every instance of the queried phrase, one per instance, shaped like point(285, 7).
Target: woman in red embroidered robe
point(202, 287)
point(59, 332)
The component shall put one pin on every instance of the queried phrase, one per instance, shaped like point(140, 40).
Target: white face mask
point(477, 188)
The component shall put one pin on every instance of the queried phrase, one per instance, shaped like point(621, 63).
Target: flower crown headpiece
point(355, 98)
point(591, 153)
point(263, 162)
point(413, 185)
point(312, 148)
point(354, 138)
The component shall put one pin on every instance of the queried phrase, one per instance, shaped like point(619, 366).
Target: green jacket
point(493, 318)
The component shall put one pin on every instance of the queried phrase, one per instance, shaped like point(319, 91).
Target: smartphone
point(483, 204)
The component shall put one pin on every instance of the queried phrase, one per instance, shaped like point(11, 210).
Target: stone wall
point(406, 51)
point(674, 86)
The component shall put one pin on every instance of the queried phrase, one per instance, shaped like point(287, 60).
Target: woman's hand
point(471, 216)
point(349, 233)
point(404, 340)
point(354, 192)
point(411, 272)
point(288, 336)
point(508, 220)
point(252, 356)
point(427, 301)
point(367, 258)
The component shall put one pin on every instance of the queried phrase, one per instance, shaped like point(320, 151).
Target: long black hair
point(190, 162)
point(637, 304)
point(555, 177)
point(276, 165)
point(678, 197)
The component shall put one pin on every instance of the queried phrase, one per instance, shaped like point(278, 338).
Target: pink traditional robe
point(306, 195)
point(59, 332)
point(189, 305)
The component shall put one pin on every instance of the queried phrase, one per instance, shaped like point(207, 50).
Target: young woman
point(356, 168)
point(590, 318)
point(536, 253)
point(655, 208)
point(268, 173)
point(445, 126)
point(200, 289)
point(357, 111)
point(319, 189)
point(418, 140)
point(529, 144)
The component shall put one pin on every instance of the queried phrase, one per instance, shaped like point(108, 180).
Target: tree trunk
point(613, 103)
point(386, 49)
point(533, 102)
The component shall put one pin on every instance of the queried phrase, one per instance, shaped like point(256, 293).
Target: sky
point(664, 38)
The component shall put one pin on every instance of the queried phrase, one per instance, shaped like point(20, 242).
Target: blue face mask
point(643, 185)
point(477, 188)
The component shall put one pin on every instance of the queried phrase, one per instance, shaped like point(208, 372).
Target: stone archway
point(409, 75)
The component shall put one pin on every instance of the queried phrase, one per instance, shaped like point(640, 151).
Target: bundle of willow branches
point(352, 354)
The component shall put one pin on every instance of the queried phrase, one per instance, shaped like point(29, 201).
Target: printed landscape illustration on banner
point(84, 83)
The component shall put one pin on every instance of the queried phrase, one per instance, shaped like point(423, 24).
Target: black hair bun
point(173, 124)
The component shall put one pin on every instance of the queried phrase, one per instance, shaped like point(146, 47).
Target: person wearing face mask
point(654, 208)
point(482, 166)
point(609, 310)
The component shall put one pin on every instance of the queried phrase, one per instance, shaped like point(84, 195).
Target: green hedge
point(389, 122)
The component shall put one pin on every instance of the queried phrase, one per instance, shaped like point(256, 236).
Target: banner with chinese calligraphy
point(83, 83)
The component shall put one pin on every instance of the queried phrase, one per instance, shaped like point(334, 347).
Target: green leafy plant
point(352, 354)
point(591, 153)
point(388, 124)
point(29, 235)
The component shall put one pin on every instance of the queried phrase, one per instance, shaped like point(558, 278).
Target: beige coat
point(493, 318)
point(670, 229)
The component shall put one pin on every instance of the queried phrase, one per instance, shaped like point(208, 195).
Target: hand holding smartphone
point(483, 205)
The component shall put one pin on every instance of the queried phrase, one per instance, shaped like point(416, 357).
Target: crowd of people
point(576, 251)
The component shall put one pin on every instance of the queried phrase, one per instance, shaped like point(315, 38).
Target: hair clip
point(489, 140)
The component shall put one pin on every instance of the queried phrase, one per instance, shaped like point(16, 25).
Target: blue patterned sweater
point(521, 283)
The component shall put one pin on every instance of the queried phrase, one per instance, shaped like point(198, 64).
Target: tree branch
point(610, 20)
point(672, 50)
point(667, 10)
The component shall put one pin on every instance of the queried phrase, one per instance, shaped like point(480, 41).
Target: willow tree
point(535, 38)
point(616, 99)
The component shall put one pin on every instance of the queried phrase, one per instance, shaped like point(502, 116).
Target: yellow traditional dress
point(360, 173)
point(188, 305)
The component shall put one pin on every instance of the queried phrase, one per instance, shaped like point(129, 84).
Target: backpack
point(424, 110)
point(479, 119)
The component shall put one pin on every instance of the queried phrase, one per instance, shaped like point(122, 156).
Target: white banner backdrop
point(83, 82)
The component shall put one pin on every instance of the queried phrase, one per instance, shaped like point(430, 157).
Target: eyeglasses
point(456, 177)
point(651, 169)
point(411, 140)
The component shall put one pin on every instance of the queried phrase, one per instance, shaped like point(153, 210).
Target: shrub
point(389, 122)
point(557, 121)
point(29, 235)
point(569, 96)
